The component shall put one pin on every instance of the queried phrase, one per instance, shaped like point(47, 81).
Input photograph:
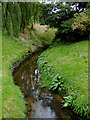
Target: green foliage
point(77, 101)
point(46, 69)
point(13, 103)
point(67, 26)
point(46, 35)
point(81, 20)
point(9, 25)
point(16, 18)
point(30, 13)
point(4, 15)
point(21, 15)
point(63, 20)
point(57, 83)
point(11, 15)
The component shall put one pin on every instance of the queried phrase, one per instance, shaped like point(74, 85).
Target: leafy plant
point(57, 83)
point(67, 102)
point(76, 101)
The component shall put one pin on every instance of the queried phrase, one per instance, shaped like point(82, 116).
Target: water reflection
point(41, 103)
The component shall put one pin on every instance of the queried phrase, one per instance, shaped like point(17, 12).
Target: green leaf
point(60, 89)
point(65, 105)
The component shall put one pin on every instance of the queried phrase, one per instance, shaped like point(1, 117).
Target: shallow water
point(41, 103)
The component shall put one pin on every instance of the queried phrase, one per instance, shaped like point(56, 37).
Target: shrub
point(47, 35)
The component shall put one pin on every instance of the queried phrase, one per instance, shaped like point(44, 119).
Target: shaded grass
point(71, 63)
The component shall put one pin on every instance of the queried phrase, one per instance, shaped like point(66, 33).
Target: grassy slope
point(71, 62)
point(13, 50)
point(12, 99)
point(0, 74)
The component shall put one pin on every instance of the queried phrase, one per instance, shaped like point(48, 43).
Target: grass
point(13, 104)
point(70, 63)
point(0, 74)
point(12, 98)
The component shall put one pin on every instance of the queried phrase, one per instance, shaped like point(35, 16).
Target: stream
point(40, 102)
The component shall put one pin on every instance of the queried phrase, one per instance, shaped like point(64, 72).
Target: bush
point(46, 36)
point(49, 35)
point(17, 16)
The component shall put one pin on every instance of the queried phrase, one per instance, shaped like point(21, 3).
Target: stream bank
point(40, 102)
point(11, 94)
point(13, 53)
point(65, 68)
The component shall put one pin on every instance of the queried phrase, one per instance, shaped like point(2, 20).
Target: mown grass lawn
point(71, 63)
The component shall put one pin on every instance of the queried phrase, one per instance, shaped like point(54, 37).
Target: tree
point(61, 15)
point(82, 21)
point(19, 15)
